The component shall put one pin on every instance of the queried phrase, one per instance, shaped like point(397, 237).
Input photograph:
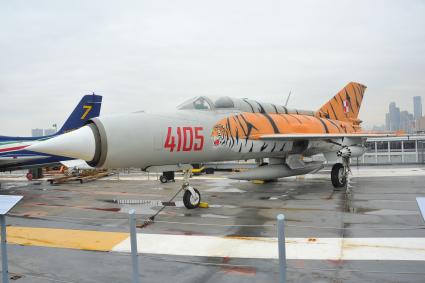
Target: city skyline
point(397, 119)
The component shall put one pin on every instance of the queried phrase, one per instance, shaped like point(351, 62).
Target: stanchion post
point(133, 240)
point(282, 248)
point(5, 271)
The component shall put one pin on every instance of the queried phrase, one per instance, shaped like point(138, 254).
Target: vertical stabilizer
point(345, 105)
point(87, 108)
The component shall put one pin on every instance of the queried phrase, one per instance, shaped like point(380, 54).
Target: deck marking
point(412, 249)
point(64, 238)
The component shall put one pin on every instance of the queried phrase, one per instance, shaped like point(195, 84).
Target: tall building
point(394, 117)
point(406, 122)
point(37, 132)
point(417, 107)
point(387, 121)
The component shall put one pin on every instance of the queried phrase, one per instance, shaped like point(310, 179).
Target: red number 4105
point(184, 139)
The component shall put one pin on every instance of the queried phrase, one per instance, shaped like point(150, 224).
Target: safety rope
point(151, 218)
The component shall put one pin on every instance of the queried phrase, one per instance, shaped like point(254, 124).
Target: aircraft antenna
point(287, 99)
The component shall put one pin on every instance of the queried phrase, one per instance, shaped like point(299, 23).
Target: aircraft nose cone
point(78, 144)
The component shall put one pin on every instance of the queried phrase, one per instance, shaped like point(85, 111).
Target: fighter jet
point(205, 129)
point(13, 150)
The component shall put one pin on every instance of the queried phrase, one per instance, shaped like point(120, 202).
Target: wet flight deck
point(78, 232)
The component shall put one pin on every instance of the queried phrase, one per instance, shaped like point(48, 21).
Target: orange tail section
point(345, 105)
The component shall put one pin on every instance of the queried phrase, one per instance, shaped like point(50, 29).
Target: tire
point(209, 171)
point(338, 181)
point(163, 179)
point(187, 201)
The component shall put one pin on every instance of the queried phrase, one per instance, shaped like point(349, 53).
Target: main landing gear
point(340, 174)
point(191, 196)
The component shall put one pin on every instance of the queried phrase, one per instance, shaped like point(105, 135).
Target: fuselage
point(205, 129)
point(190, 136)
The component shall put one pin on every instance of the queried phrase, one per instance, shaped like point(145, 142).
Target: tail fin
point(345, 105)
point(87, 108)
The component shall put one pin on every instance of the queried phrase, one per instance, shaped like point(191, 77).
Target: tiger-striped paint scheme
point(242, 132)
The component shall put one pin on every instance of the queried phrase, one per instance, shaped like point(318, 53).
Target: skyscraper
point(394, 117)
point(417, 107)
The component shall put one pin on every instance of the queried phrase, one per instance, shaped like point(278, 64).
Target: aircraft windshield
point(197, 103)
point(207, 103)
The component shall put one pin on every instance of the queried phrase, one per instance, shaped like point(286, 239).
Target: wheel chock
point(258, 182)
point(203, 205)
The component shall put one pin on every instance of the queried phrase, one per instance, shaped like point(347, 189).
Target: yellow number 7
point(88, 109)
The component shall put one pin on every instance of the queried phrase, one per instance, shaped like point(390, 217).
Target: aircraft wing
point(295, 137)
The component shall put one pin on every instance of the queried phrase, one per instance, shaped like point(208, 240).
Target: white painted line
point(412, 249)
point(421, 204)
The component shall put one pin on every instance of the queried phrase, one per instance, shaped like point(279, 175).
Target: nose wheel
point(191, 196)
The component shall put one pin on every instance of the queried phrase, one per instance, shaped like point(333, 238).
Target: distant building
point(420, 124)
point(48, 132)
point(417, 107)
point(387, 121)
point(37, 132)
point(396, 120)
point(394, 117)
point(407, 122)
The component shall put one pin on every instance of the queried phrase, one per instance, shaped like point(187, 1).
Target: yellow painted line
point(64, 238)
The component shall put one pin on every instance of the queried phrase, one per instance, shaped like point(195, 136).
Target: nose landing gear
point(191, 196)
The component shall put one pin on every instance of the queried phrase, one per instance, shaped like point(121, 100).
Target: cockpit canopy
point(237, 104)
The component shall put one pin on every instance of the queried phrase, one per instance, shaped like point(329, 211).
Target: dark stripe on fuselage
point(252, 108)
point(355, 95)
point(333, 110)
point(324, 125)
point(274, 146)
point(230, 132)
point(333, 123)
point(295, 118)
point(240, 123)
point(283, 116)
point(249, 126)
point(271, 121)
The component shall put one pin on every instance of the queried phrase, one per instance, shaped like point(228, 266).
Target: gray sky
point(155, 54)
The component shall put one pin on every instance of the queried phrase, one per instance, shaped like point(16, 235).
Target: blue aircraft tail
point(89, 107)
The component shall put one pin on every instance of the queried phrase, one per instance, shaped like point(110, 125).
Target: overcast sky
point(152, 55)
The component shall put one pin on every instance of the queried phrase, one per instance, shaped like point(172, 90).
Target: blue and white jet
point(13, 153)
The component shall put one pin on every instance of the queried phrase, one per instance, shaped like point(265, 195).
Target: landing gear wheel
point(191, 201)
point(163, 179)
point(338, 176)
